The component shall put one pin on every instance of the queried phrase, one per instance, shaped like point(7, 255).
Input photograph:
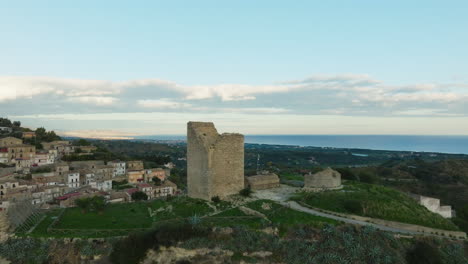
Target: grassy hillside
point(279, 215)
point(446, 180)
point(378, 202)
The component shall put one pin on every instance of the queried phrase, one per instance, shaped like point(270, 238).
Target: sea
point(440, 144)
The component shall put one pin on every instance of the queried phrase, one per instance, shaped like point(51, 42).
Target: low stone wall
point(398, 225)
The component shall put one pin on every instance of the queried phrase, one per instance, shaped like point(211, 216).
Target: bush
point(347, 174)
point(133, 248)
point(367, 178)
point(156, 181)
point(25, 250)
point(139, 196)
point(216, 199)
point(95, 203)
point(353, 206)
point(424, 253)
point(246, 192)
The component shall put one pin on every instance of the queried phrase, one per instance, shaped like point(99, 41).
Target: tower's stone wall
point(215, 163)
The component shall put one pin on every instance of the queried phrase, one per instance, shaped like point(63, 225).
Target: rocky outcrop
point(170, 255)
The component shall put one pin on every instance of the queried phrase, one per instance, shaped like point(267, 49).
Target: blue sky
point(307, 67)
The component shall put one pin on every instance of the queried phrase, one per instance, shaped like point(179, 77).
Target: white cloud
point(97, 134)
point(95, 100)
point(344, 94)
point(175, 123)
point(164, 103)
point(27, 87)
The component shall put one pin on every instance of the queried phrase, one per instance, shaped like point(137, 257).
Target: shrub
point(83, 204)
point(25, 250)
point(424, 253)
point(246, 192)
point(133, 248)
point(353, 206)
point(156, 181)
point(95, 203)
point(215, 199)
point(347, 174)
point(367, 178)
point(139, 196)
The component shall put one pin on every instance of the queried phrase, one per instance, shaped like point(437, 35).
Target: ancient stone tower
point(215, 163)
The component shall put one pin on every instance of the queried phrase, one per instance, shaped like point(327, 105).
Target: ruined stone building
point(263, 181)
point(215, 163)
point(327, 179)
point(433, 205)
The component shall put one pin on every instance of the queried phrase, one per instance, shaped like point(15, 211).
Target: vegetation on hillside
point(377, 202)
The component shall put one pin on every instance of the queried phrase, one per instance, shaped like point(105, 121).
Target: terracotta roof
point(168, 183)
point(144, 185)
point(131, 190)
point(68, 195)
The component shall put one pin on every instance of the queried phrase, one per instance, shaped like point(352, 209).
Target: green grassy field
point(291, 176)
point(117, 217)
point(285, 217)
point(120, 219)
point(378, 202)
point(280, 216)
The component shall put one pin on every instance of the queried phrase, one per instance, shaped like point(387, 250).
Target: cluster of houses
point(40, 176)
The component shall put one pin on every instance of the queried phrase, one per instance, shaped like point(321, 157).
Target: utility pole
point(258, 164)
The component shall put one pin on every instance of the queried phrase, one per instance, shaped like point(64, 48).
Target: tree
point(95, 203)
point(367, 177)
point(139, 196)
point(82, 142)
point(98, 203)
point(353, 206)
point(43, 135)
point(346, 174)
point(424, 253)
point(83, 204)
point(5, 122)
point(246, 192)
point(17, 124)
point(156, 181)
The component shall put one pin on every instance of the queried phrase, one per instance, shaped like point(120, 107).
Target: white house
point(6, 129)
point(44, 158)
point(73, 179)
point(102, 185)
point(119, 167)
point(4, 155)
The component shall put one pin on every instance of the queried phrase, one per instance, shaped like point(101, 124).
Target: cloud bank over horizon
point(291, 104)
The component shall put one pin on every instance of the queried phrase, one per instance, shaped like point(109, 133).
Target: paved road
point(298, 207)
point(282, 195)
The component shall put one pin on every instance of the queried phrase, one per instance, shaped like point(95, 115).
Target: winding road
point(282, 195)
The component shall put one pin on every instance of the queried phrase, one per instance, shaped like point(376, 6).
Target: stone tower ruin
point(215, 163)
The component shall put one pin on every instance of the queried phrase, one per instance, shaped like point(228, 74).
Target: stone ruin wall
point(5, 226)
point(215, 163)
point(433, 205)
point(327, 179)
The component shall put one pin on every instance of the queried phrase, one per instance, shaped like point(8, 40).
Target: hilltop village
point(46, 181)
